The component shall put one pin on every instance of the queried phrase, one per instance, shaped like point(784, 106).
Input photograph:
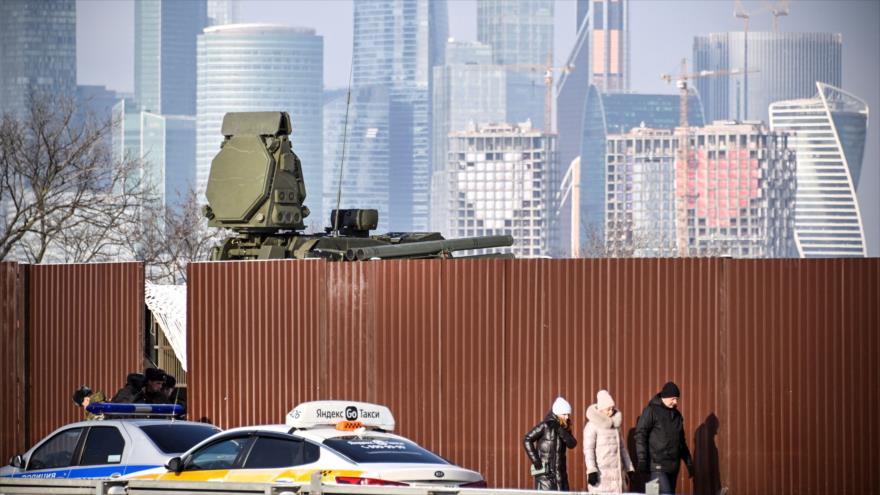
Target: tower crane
point(683, 158)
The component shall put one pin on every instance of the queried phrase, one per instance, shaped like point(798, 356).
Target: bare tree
point(61, 190)
point(168, 239)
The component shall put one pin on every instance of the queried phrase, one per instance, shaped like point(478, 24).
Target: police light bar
point(332, 412)
point(109, 409)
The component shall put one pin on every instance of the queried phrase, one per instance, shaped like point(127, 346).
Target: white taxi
point(346, 442)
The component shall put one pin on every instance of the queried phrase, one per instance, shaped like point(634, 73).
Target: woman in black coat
point(545, 445)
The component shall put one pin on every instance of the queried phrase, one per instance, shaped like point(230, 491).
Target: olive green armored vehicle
point(256, 190)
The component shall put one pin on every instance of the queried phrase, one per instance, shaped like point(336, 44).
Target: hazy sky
point(662, 33)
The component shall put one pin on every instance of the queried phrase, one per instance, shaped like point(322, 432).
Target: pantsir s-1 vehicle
point(346, 442)
point(256, 189)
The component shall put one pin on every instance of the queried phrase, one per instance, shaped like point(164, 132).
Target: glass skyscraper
point(165, 54)
point(367, 178)
point(466, 89)
point(396, 44)
point(521, 36)
point(223, 12)
point(787, 66)
point(828, 134)
point(37, 51)
point(262, 67)
point(140, 135)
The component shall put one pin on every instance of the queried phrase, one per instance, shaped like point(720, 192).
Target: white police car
point(108, 448)
point(346, 442)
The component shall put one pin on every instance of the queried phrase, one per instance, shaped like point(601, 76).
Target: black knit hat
point(170, 381)
point(81, 393)
point(154, 375)
point(670, 390)
point(135, 380)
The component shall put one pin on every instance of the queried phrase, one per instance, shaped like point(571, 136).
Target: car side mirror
point(16, 461)
point(175, 464)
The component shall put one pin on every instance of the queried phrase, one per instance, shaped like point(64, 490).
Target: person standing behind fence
point(608, 463)
point(545, 445)
point(660, 439)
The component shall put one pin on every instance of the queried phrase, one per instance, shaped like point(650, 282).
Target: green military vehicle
point(256, 190)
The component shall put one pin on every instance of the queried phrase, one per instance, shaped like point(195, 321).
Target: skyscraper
point(828, 134)
point(738, 191)
point(496, 184)
point(366, 178)
point(521, 36)
point(254, 67)
point(396, 44)
point(37, 51)
point(468, 88)
point(165, 54)
point(140, 135)
point(221, 12)
point(613, 113)
point(782, 66)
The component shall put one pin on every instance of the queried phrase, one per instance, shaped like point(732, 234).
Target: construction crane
point(683, 160)
point(779, 10)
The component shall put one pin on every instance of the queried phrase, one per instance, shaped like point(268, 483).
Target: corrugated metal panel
point(12, 411)
point(85, 327)
point(471, 353)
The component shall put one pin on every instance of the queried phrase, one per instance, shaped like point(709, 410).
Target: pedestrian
point(83, 396)
point(608, 462)
point(168, 387)
point(660, 440)
point(545, 445)
point(155, 379)
point(132, 391)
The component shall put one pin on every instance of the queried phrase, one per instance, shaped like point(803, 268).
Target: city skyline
point(105, 32)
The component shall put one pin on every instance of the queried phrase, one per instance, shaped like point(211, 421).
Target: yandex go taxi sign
point(332, 412)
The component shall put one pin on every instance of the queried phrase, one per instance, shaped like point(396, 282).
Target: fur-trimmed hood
point(602, 421)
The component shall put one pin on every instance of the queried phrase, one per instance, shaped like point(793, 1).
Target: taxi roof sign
point(330, 412)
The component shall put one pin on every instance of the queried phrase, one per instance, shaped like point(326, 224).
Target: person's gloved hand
point(644, 467)
point(537, 465)
point(690, 468)
point(593, 479)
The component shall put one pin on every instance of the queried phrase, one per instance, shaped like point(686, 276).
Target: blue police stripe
point(86, 471)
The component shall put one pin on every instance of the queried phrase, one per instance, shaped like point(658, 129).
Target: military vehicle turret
point(256, 190)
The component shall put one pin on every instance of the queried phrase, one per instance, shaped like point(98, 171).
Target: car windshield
point(175, 438)
point(382, 449)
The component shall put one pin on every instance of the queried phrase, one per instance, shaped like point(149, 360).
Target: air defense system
point(256, 190)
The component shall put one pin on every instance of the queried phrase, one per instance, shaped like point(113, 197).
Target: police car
point(110, 448)
point(347, 443)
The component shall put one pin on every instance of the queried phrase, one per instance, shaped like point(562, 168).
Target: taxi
point(347, 443)
point(110, 448)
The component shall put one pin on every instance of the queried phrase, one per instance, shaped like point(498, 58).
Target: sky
point(662, 33)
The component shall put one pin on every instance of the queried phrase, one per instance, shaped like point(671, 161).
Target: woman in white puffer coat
point(608, 462)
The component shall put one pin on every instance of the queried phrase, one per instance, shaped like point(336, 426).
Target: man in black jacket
point(545, 445)
point(660, 439)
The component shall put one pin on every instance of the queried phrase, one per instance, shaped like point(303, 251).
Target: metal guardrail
point(27, 486)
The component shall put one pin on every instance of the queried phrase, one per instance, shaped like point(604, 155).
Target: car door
point(277, 457)
point(102, 453)
point(213, 461)
point(53, 457)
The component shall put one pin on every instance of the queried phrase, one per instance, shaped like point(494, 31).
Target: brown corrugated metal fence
point(12, 357)
point(85, 326)
point(775, 358)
